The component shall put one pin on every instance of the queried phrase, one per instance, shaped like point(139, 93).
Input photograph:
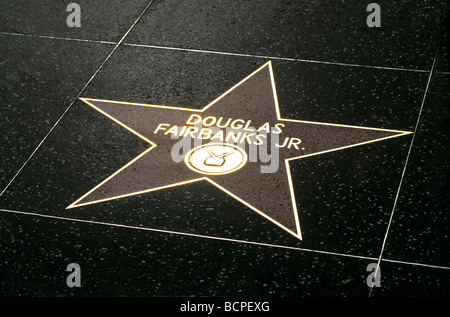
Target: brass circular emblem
point(216, 158)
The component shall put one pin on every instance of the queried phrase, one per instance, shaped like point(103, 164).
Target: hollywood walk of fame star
point(240, 117)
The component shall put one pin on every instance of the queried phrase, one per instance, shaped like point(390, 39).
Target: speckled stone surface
point(420, 227)
point(40, 78)
point(318, 30)
point(99, 21)
point(133, 262)
point(195, 240)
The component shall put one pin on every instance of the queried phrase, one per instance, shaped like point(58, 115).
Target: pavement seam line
point(194, 235)
point(223, 53)
point(406, 161)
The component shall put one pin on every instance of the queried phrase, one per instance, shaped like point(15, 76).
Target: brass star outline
point(297, 232)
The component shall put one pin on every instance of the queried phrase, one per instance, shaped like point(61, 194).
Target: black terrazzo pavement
point(329, 67)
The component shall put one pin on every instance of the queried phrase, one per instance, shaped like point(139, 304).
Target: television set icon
point(216, 160)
